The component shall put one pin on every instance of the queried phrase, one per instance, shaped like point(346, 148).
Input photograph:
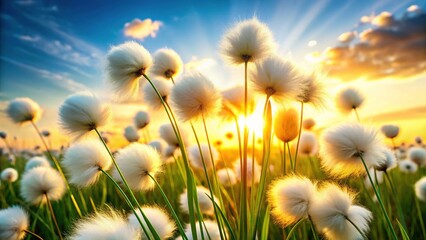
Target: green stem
point(243, 199)
point(380, 201)
point(52, 215)
point(313, 228)
point(356, 227)
point(298, 137)
point(395, 196)
point(357, 116)
point(289, 156)
point(419, 214)
point(33, 234)
point(294, 228)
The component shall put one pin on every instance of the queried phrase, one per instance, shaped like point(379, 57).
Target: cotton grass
point(200, 156)
point(22, 110)
point(37, 161)
point(141, 119)
point(167, 64)
point(9, 175)
point(150, 95)
point(203, 194)
point(417, 155)
point(420, 189)
point(131, 134)
point(158, 218)
point(14, 221)
point(349, 99)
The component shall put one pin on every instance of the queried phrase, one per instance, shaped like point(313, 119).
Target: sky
point(51, 49)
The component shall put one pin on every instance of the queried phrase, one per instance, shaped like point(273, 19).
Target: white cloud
point(141, 29)
point(312, 43)
point(347, 37)
point(199, 64)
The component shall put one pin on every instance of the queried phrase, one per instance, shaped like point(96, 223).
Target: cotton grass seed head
point(141, 119)
point(136, 161)
point(308, 144)
point(390, 131)
point(389, 161)
point(150, 96)
point(420, 188)
point(196, 158)
point(83, 161)
point(286, 124)
point(417, 155)
point(126, 63)
point(226, 177)
point(253, 171)
point(37, 161)
point(39, 182)
point(131, 134)
point(167, 134)
point(290, 198)
point(331, 209)
point(407, 166)
point(81, 113)
point(276, 78)
point(102, 225)
point(247, 41)
point(349, 99)
point(13, 223)
point(159, 219)
point(313, 89)
point(9, 175)
point(22, 110)
point(377, 177)
point(209, 230)
point(195, 97)
point(203, 194)
point(167, 64)
point(342, 147)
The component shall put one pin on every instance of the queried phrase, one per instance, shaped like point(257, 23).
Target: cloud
point(403, 114)
point(414, 9)
point(390, 47)
point(312, 43)
point(141, 29)
point(347, 37)
point(199, 64)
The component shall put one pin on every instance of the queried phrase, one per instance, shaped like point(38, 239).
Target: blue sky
point(50, 49)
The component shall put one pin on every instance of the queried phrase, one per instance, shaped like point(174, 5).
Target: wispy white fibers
point(389, 161)
point(277, 78)
point(308, 144)
point(253, 171)
point(150, 96)
point(81, 113)
point(330, 210)
point(286, 124)
point(226, 177)
point(407, 166)
point(21, 110)
point(420, 188)
point(290, 198)
point(112, 226)
point(37, 161)
point(131, 134)
point(247, 41)
point(349, 99)
point(313, 91)
point(136, 161)
point(206, 205)
point(41, 181)
point(213, 232)
point(197, 161)
point(141, 119)
point(83, 161)
point(195, 97)
point(167, 134)
point(126, 63)
point(390, 131)
point(167, 64)
point(417, 155)
point(159, 219)
point(9, 175)
point(13, 223)
point(160, 146)
point(308, 123)
point(342, 147)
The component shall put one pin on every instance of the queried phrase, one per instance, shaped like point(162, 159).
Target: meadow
point(290, 180)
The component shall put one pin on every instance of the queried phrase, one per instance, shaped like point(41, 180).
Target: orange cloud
point(141, 29)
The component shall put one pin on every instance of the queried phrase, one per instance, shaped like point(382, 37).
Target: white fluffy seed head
point(150, 96)
point(168, 135)
point(308, 123)
point(253, 171)
point(313, 90)
point(203, 194)
point(389, 161)
point(160, 146)
point(378, 179)
point(136, 161)
point(213, 232)
point(247, 41)
point(21, 110)
point(417, 155)
point(290, 198)
point(308, 144)
point(83, 160)
point(167, 64)
point(420, 188)
point(196, 158)
point(195, 97)
point(349, 99)
point(390, 131)
point(126, 63)
point(9, 175)
point(37, 161)
point(226, 177)
point(41, 181)
point(330, 209)
point(111, 225)
point(407, 166)
point(13, 223)
point(81, 113)
point(277, 78)
point(141, 119)
point(342, 147)
point(131, 134)
point(159, 219)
